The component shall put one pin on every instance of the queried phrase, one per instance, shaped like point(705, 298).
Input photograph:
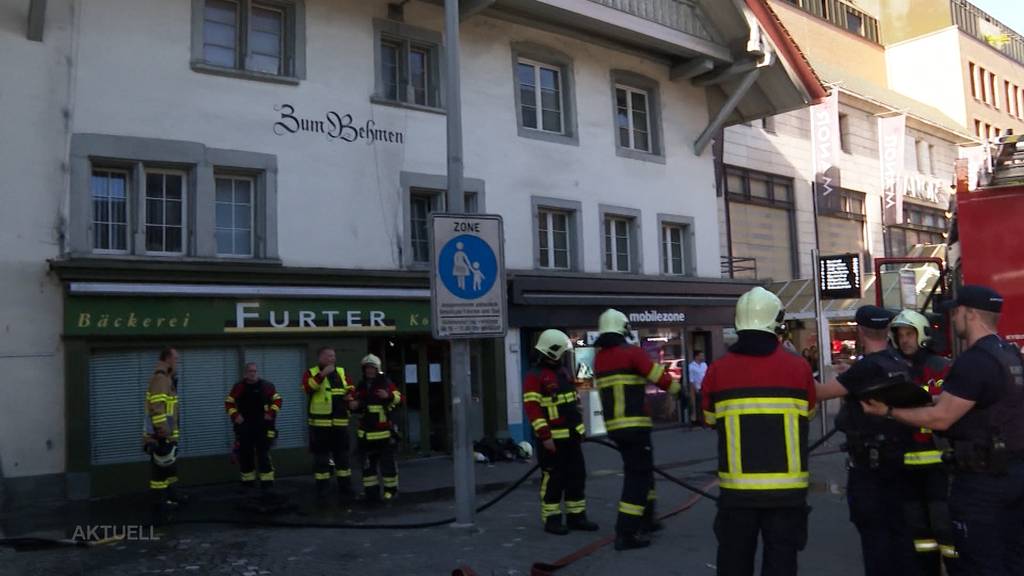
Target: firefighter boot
point(345, 489)
point(179, 499)
point(651, 524)
point(631, 541)
point(580, 523)
point(553, 525)
point(322, 488)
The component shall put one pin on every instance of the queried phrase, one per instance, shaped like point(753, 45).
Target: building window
point(1020, 103)
point(633, 118)
point(553, 239)
point(844, 132)
point(672, 243)
point(854, 23)
point(540, 96)
point(972, 71)
point(110, 210)
point(250, 38)
point(924, 157)
point(977, 128)
point(921, 226)
point(165, 212)
point(851, 203)
point(768, 124)
point(617, 244)
point(235, 215)
point(422, 203)
point(408, 65)
point(753, 186)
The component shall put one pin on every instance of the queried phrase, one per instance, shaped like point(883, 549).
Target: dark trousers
point(925, 505)
point(379, 468)
point(161, 478)
point(327, 442)
point(253, 450)
point(636, 505)
point(563, 475)
point(988, 521)
point(782, 530)
point(876, 509)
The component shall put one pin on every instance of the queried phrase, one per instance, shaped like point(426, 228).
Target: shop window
point(257, 40)
point(921, 225)
point(234, 216)
point(408, 65)
point(110, 210)
point(166, 202)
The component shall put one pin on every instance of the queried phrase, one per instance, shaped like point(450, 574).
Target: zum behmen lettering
point(335, 126)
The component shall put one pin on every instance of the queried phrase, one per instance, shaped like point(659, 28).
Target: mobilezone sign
point(656, 317)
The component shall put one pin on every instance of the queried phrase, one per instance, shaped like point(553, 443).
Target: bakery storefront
point(114, 329)
point(670, 318)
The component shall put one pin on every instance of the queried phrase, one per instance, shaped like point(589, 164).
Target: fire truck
point(985, 244)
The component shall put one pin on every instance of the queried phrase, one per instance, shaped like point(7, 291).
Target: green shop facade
point(119, 314)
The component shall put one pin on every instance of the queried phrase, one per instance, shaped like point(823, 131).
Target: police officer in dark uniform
point(875, 448)
point(981, 411)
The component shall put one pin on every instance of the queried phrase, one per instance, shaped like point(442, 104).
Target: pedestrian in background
point(696, 371)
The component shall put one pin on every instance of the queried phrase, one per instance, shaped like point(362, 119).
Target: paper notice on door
point(435, 373)
point(410, 374)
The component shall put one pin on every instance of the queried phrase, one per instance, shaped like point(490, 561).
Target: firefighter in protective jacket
point(552, 405)
point(926, 481)
point(253, 405)
point(622, 372)
point(162, 435)
point(759, 397)
point(328, 393)
point(377, 397)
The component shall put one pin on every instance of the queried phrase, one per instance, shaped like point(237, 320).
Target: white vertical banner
point(892, 141)
point(825, 151)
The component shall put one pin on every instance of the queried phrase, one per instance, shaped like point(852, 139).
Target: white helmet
point(915, 320)
point(553, 344)
point(759, 309)
point(526, 449)
point(613, 322)
point(370, 360)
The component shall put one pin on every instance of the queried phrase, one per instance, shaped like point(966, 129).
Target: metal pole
point(824, 346)
point(465, 483)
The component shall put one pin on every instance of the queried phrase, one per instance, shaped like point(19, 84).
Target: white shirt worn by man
point(697, 371)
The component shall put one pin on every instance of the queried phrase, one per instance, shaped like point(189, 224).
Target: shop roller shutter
point(117, 392)
point(284, 367)
point(206, 377)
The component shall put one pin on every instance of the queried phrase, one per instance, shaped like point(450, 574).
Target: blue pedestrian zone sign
point(467, 286)
point(468, 267)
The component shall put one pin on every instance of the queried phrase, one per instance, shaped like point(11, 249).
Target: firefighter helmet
point(370, 360)
point(759, 309)
point(525, 449)
point(915, 320)
point(553, 344)
point(164, 454)
point(613, 322)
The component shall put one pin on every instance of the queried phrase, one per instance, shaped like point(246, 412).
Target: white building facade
point(248, 180)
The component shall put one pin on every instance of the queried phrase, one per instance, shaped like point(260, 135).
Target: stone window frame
point(295, 43)
point(574, 209)
point(564, 63)
point(636, 252)
point(436, 184)
point(200, 164)
point(652, 88)
point(688, 223)
point(406, 34)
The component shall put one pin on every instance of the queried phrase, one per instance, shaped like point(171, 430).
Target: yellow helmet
point(915, 320)
point(370, 360)
point(759, 309)
point(553, 344)
point(613, 322)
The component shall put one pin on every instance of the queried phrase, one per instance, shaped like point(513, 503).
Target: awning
point(798, 295)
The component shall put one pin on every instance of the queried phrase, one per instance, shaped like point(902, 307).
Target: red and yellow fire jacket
point(376, 423)
point(551, 403)
point(929, 371)
point(621, 374)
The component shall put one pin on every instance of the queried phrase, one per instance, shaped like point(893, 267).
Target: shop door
point(419, 367)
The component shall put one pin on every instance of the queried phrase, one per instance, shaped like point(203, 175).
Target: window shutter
point(284, 367)
point(206, 377)
point(117, 410)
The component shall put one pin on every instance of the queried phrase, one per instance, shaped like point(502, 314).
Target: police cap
point(873, 317)
point(977, 297)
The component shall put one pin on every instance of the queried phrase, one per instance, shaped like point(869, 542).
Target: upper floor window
point(925, 163)
point(673, 237)
point(758, 187)
point(408, 65)
point(257, 39)
point(110, 210)
point(540, 96)
point(637, 116)
point(165, 212)
point(617, 244)
point(234, 217)
point(855, 23)
point(554, 239)
point(422, 203)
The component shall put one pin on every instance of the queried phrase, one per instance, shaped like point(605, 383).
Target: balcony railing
point(979, 24)
point(680, 15)
point(736, 266)
point(843, 15)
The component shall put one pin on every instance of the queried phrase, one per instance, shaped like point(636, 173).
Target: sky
point(1009, 12)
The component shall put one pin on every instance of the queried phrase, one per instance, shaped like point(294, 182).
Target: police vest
point(327, 403)
point(890, 438)
point(929, 373)
point(1005, 417)
point(558, 400)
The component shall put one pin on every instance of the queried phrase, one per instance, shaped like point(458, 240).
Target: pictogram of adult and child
point(468, 266)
